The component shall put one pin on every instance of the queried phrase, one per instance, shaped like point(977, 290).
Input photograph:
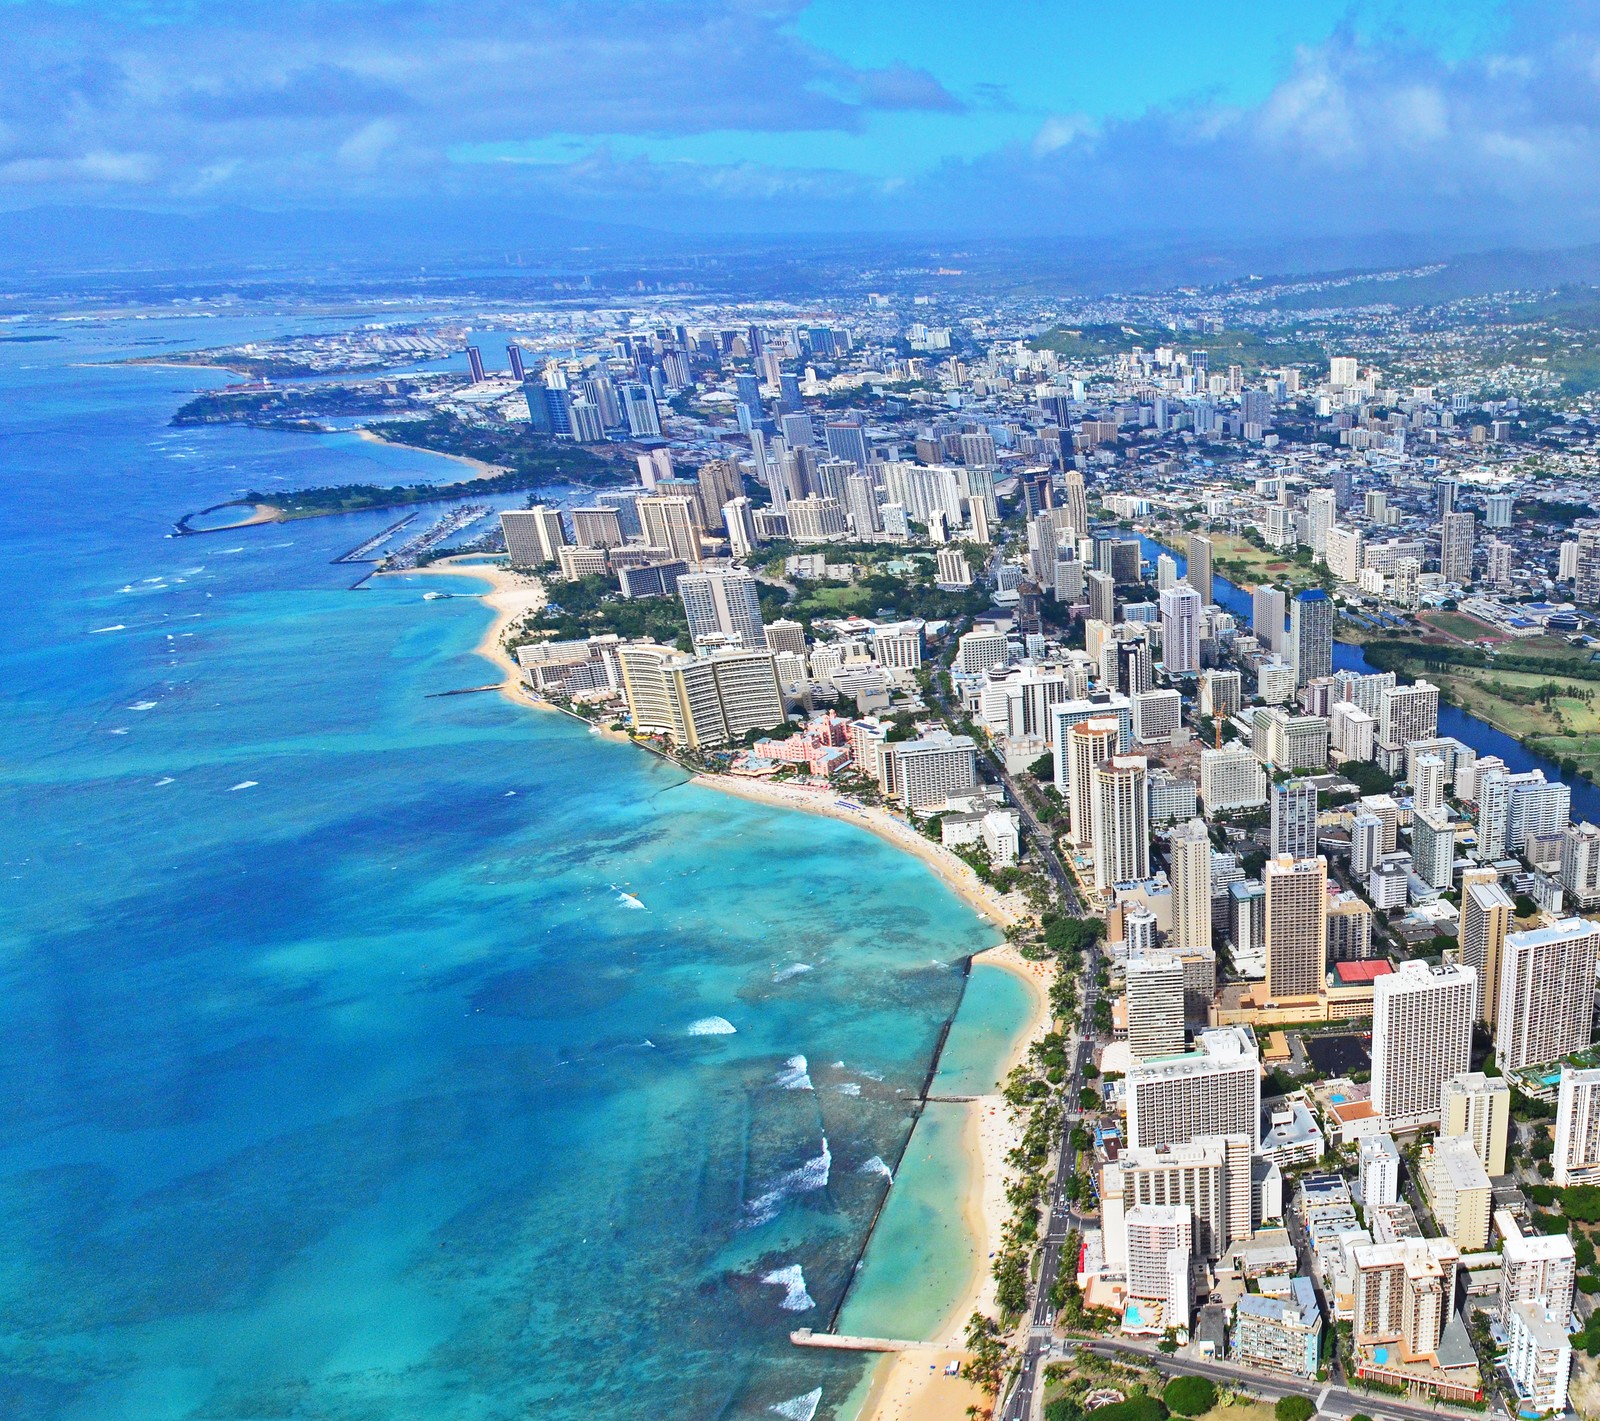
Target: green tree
point(1189, 1396)
point(1295, 1408)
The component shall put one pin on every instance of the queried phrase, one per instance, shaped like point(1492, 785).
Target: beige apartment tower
point(1191, 887)
point(1478, 1108)
point(1297, 927)
point(1486, 912)
point(1089, 743)
point(1120, 822)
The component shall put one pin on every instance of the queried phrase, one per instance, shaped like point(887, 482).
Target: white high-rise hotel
point(1213, 1090)
point(1547, 978)
point(1421, 1036)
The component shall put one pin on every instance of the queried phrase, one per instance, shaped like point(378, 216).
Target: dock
point(841, 1342)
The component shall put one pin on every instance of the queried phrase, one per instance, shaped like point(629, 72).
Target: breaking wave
point(795, 1075)
point(799, 1408)
point(712, 1026)
point(875, 1165)
point(793, 1282)
point(805, 1179)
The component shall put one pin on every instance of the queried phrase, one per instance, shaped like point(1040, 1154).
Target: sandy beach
point(485, 470)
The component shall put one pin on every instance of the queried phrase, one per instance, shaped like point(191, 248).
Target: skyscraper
point(1547, 978)
point(1077, 504)
point(1577, 1156)
point(1213, 1089)
point(1198, 573)
point(1154, 999)
point(1486, 912)
point(724, 603)
point(1089, 743)
point(1102, 589)
point(1181, 607)
point(1297, 927)
point(1268, 608)
point(1421, 1036)
point(1294, 819)
point(1311, 635)
point(668, 522)
point(533, 535)
point(1478, 1107)
point(1456, 539)
point(1191, 887)
point(1120, 821)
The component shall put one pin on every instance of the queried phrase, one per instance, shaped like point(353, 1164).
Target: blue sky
point(1478, 120)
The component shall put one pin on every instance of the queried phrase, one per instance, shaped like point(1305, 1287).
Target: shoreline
point(904, 1386)
point(485, 470)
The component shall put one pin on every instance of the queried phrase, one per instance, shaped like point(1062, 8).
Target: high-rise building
point(1486, 913)
point(534, 536)
point(1209, 1175)
point(1349, 929)
point(1154, 1000)
point(1458, 1188)
point(1433, 847)
point(1456, 541)
point(1294, 819)
point(1428, 777)
point(1191, 887)
point(1198, 568)
point(1421, 1036)
point(1535, 1268)
point(926, 772)
point(1268, 609)
point(1377, 1172)
point(1407, 713)
point(1297, 943)
point(1181, 607)
point(1213, 1089)
point(1160, 1241)
point(1077, 503)
point(1404, 1295)
point(1231, 778)
point(1577, 1156)
point(700, 701)
point(1221, 694)
point(1478, 1107)
point(1538, 1358)
point(1120, 824)
point(738, 517)
point(1311, 635)
point(1166, 571)
point(1580, 865)
point(724, 603)
point(1547, 982)
point(1101, 588)
point(1366, 843)
point(668, 521)
point(596, 528)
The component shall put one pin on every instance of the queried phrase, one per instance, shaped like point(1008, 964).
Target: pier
point(363, 552)
point(841, 1342)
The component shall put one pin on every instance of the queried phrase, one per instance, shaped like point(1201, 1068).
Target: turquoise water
point(996, 1008)
point(921, 1257)
point(337, 1078)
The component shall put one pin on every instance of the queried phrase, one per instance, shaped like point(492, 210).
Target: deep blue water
point(1454, 721)
point(337, 1079)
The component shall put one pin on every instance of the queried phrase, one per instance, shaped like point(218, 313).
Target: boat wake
point(805, 1179)
point(799, 1408)
point(627, 900)
point(243, 784)
point(794, 1075)
point(95, 631)
point(712, 1026)
point(793, 1282)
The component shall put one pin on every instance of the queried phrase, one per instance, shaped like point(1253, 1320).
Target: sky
point(1475, 121)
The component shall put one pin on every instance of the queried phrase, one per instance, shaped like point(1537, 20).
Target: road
point(1331, 1400)
point(1019, 1404)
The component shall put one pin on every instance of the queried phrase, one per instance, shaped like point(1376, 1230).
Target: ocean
point(369, 1053)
